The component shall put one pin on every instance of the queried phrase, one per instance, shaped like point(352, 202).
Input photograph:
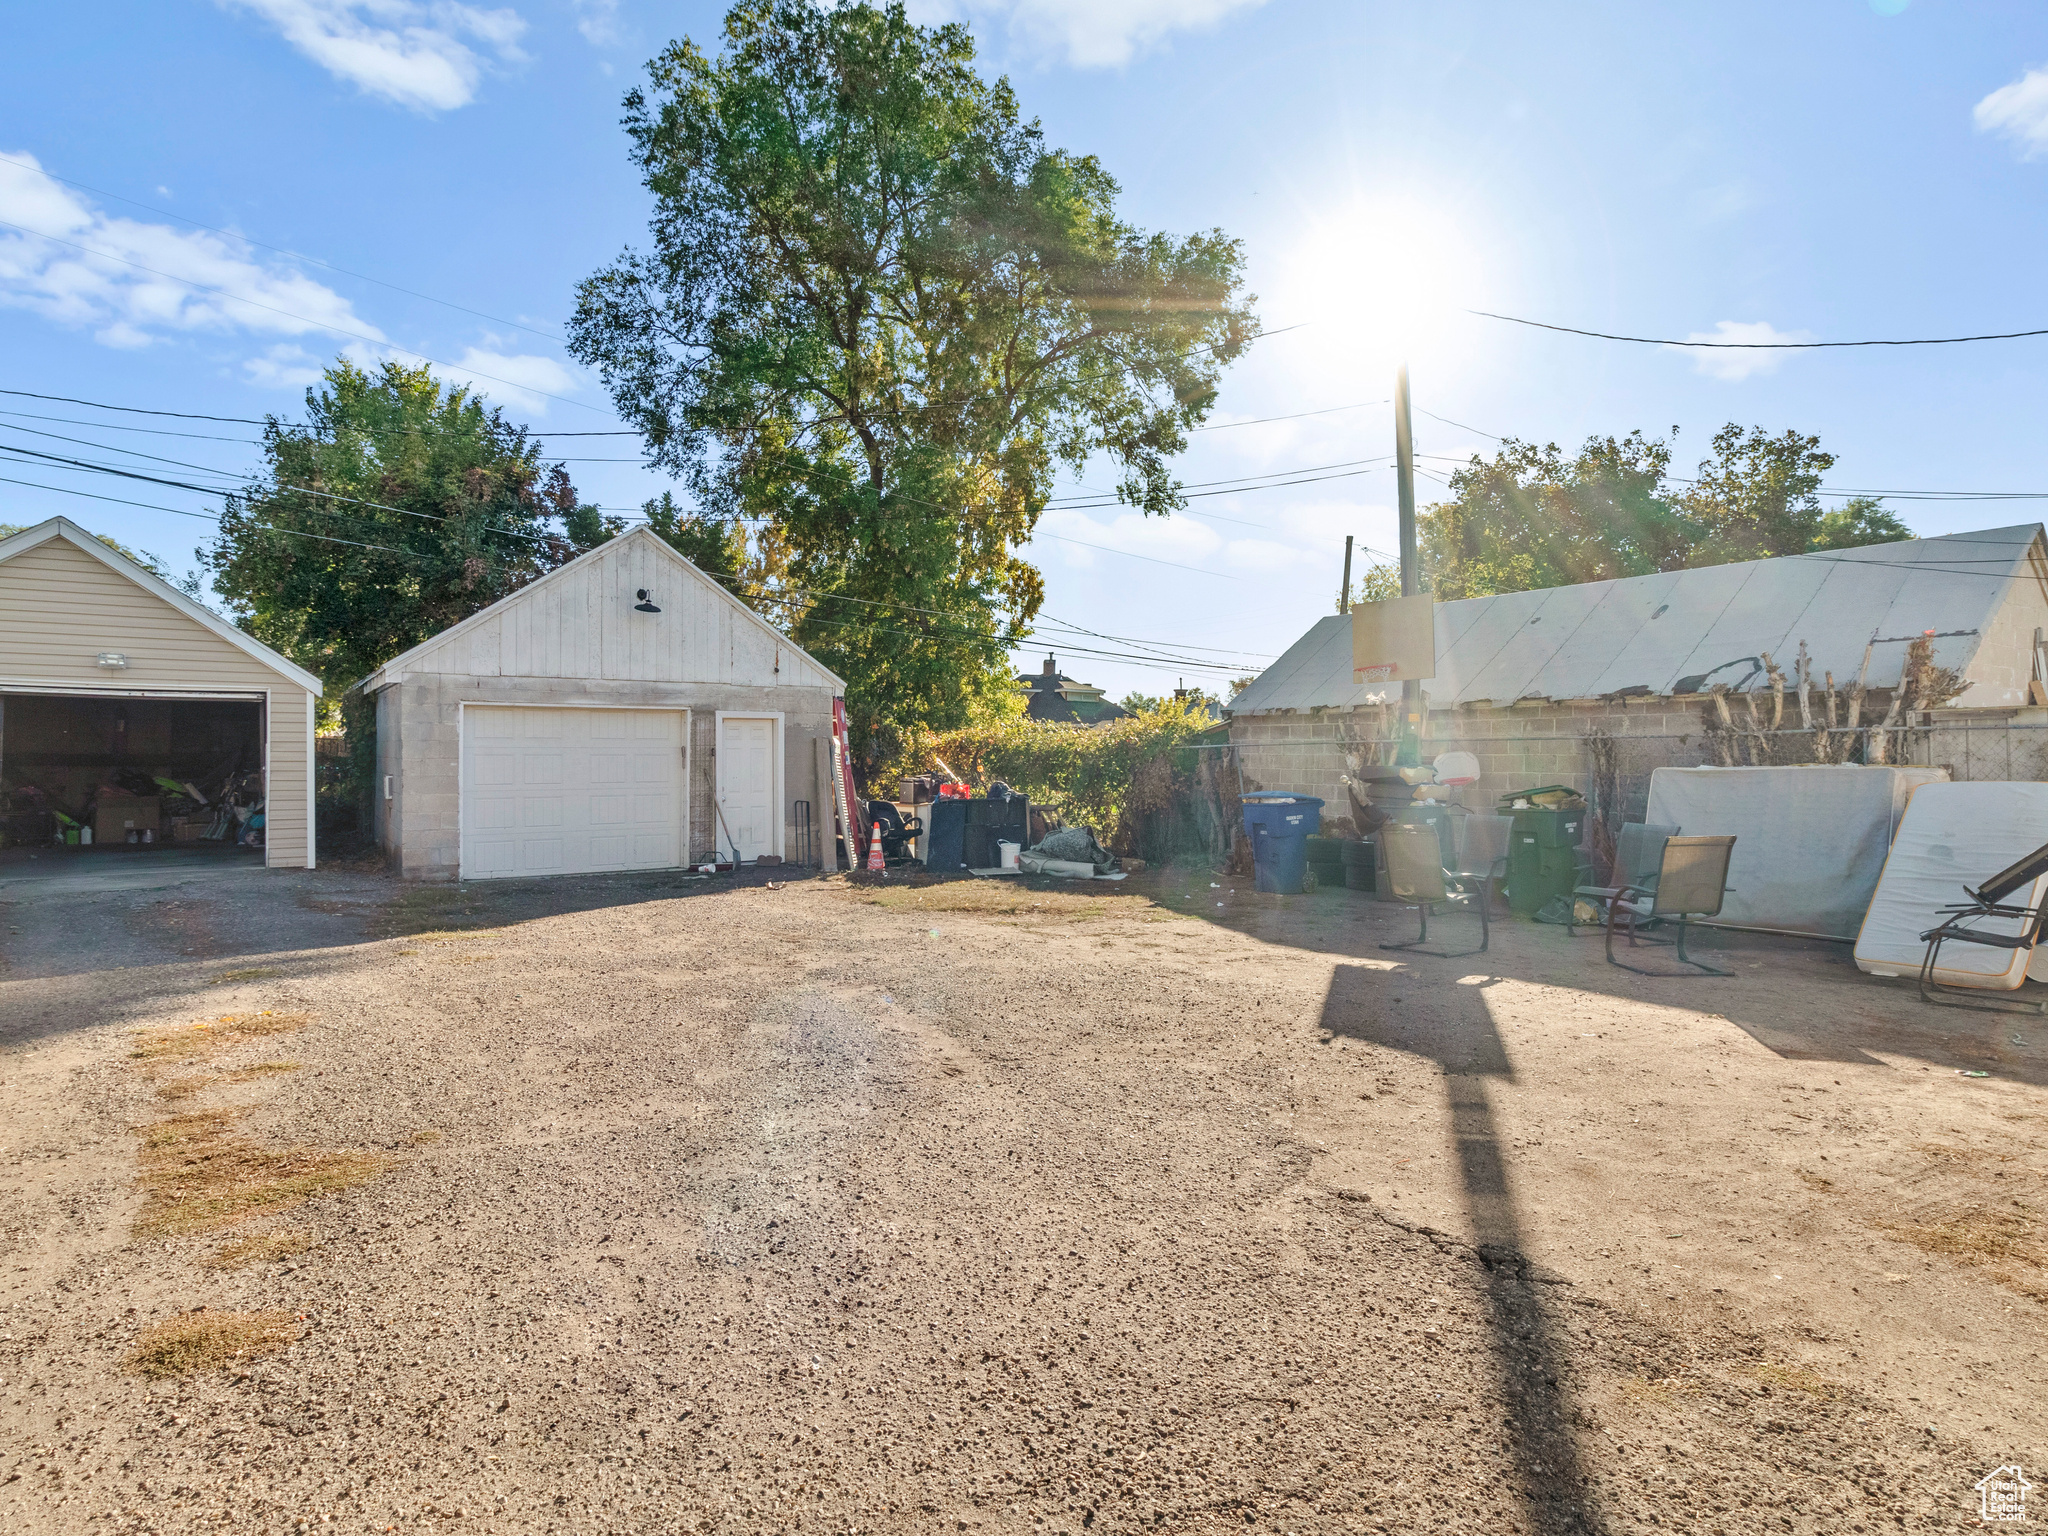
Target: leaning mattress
point(1952, 836)
point(1810, 841)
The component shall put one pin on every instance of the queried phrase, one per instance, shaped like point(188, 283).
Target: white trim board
point(63, 528)
point(89, 691)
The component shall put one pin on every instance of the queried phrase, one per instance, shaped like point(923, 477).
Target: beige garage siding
point(61, 607)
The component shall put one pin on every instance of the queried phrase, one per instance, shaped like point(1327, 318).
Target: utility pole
point(1344, 592)
point(1410, 750)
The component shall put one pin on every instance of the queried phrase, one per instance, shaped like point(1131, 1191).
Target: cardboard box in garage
point(117, 815)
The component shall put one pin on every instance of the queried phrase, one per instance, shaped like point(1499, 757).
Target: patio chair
point(1484, 857)
point(1987, 901)
point(1637, 855)
point(1416, 875)
point(1692, 879)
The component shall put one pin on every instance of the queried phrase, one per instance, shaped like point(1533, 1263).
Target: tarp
point(1810, 842)
point(1954, 835)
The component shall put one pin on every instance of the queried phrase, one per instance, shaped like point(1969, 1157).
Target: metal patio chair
point(1987, 901)
point(1638, 853)
point(1692, 879)
point(1416, 875)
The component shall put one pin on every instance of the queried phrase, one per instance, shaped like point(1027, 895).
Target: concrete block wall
point(1518, 746)
point(420, 829)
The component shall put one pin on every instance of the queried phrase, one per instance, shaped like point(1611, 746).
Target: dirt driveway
point(644, 1205)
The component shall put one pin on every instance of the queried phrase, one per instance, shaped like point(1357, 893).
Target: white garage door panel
point(566, 791)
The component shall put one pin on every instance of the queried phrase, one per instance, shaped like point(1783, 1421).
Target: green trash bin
point(1543, 858)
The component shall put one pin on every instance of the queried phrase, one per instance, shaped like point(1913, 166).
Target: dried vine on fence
point(1831, 726)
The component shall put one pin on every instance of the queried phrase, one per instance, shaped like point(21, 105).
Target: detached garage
point(623, 712)
point(133, 718)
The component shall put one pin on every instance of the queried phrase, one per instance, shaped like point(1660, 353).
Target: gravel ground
point(845, 1207)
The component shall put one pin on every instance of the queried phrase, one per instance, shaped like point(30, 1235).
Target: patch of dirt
point(206, 1038)
point(209, 1341)
point(260, 1248)
point(1064, 901)
point(711, 1208)
point(181, 1088)
point(200, 1175)
point(246, 973)
point(2009, 1245)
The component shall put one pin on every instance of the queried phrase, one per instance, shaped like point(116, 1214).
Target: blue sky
point(1840, 169)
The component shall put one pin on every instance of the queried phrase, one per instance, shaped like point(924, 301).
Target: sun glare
point(1382, 279)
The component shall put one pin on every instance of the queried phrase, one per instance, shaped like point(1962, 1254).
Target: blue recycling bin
point(1279, 824)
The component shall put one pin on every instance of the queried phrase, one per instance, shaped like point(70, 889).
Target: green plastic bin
point(1539, 868)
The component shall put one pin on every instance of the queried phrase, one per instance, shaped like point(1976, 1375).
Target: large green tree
point(398, 507)
point(1529, 517)
point(877, 313)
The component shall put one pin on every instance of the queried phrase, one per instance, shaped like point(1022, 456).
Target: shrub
point(1100, 776)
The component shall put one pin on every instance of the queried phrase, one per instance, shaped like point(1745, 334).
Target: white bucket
point(1009, 852)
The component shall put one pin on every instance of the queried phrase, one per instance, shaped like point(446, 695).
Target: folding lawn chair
point(1637, 855)
point(1987, 901)
point(1691, 880)
point(1416, 875)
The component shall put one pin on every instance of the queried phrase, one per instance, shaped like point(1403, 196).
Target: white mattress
point(1954, 835)
point(1809, 842)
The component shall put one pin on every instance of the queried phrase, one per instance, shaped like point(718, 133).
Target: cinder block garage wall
point(418, 742)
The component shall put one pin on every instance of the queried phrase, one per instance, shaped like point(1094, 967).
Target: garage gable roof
point(481, 642)
point(63, 528)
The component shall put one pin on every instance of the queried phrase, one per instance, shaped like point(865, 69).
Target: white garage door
point(565, 791)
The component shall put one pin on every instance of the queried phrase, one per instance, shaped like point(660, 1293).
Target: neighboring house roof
point(63, 528)
point(1056, 696)
point(1681, 632)
point(641, 544)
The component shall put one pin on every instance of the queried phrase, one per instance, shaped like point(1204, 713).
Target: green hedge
point(1088, 774)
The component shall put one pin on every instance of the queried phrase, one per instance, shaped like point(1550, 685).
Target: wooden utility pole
point(1344, 592)
point(1410, 750)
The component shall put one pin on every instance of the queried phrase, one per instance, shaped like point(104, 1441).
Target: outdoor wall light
point(644, 606)
point(113, 661)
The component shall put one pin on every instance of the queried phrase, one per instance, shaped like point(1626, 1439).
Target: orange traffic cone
point(875, 864)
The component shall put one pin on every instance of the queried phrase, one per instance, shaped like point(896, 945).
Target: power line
point(1432, 415)
point(1306, 469)
point(339, 330)
point(1260, 421)
point(205, 516)
point(1276, 485)
point(1041, 534)
point(115, 426)
point(281, 250)
point(1757, 346)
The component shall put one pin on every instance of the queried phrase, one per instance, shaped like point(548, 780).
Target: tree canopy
point(399, 507)
point(1529, 517)
point(877, 313)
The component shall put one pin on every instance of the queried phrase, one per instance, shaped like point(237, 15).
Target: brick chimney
point(1051, 668)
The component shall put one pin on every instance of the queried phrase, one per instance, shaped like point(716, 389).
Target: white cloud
point(131, 281)
point(1089, 33)
point(2019, 111)
point(283, 366)
point(1734, 364)
point(597, 20)
point(520, 380)
point(414, 52)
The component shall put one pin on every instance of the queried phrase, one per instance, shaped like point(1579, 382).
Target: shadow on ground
point(1458, 1034)
point(187, 941)
point(1802, 999)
